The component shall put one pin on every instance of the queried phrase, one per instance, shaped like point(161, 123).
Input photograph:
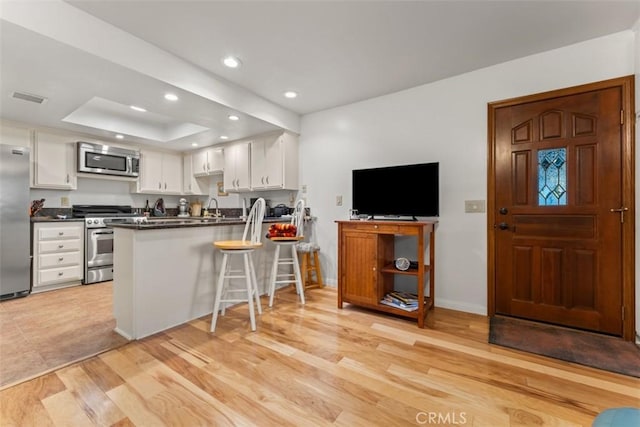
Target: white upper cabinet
point(274, 162)
point(193, 184)
point(208, 161)
point(160, 172)
point(237, 170)
point(54, 162)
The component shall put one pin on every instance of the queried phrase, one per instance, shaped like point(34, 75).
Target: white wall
point(445, 121)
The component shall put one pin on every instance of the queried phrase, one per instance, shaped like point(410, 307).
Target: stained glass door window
point(552, 177)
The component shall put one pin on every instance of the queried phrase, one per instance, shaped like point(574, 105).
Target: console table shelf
point(366, 269)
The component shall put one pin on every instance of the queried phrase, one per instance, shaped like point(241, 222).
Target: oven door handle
point(102, 232)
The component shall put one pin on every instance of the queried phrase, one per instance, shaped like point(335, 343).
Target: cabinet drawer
point(58, 233)
point(59, 275)
point(58, 246)
point(372, 227)
point(60, 260)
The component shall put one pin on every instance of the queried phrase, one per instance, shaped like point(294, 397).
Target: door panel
point(557, 175)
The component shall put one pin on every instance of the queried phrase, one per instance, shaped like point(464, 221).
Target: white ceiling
point(331, 53)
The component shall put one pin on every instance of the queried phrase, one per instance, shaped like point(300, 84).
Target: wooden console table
point(366, 268)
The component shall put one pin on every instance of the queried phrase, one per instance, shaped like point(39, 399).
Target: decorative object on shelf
point(36, 206)
point(403, 264)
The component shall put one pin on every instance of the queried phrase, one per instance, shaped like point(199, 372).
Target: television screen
point(397, 191)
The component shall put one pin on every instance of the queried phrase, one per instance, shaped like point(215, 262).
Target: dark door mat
point(586, 348)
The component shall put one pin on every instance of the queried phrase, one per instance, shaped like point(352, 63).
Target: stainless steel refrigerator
point(15, 225)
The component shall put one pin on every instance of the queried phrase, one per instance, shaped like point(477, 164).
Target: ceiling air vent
point(29, 97)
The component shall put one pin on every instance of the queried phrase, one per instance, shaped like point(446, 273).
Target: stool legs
point(310, 267)
point(297, 276)
point(251, 284)
point(250, 289)
point(317, 269)
point(220, 285)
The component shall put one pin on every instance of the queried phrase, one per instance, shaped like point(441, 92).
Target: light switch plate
point(474, 206)
point(338, 200)
point(64, 201)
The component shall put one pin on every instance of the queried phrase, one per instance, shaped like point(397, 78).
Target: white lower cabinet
point(58, 255)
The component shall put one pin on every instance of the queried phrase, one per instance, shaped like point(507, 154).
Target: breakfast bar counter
point(165, 271)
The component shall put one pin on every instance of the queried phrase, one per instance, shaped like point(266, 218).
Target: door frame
point(627, 116)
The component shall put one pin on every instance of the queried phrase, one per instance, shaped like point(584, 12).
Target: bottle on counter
point(147, 210)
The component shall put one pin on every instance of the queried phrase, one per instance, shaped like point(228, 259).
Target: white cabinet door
point(199, 163)
point(274, 162)
point(54, 164)
point(160, 173)
point(172, 173)
point(208, 161)
point(150, 180)
point(215, 160)
point(192, 184)
point(258, 164)
point(237, 167)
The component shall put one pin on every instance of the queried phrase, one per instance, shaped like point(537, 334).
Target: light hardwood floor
point(316, 365)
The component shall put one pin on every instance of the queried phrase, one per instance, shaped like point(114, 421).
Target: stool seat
point(236, 244)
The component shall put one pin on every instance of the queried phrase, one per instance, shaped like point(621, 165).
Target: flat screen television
point(397, 192)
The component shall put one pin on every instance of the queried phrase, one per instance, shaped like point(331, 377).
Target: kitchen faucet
point(213, 199)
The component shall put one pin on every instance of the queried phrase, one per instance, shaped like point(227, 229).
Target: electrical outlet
point(304, 188)
point(338, 200)
point(64, 201)
point(474, 206)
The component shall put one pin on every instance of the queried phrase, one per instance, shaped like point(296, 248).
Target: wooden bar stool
point(244, 247)
point(293, 275)
point(310, 265)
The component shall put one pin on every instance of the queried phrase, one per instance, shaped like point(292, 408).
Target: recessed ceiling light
point(231, 62)
point(224, 137)
point(170, 96)
point(290, 94)
point(194, 144)
point(120, 136)
point(135, 107)
point(234, 117)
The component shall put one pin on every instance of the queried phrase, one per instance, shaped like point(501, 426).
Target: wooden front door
point(560, 208)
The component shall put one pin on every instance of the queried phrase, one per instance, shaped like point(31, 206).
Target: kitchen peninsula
point(165, 271)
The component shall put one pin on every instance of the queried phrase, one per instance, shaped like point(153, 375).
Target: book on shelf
point(399, 306)
point(405, 297)
point(402, 300)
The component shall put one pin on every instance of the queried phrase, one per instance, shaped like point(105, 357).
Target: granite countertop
point(157, 223)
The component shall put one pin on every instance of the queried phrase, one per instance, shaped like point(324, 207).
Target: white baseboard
point(461, 306)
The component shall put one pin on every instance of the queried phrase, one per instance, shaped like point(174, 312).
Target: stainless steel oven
point(99, 247)
point(99, 255)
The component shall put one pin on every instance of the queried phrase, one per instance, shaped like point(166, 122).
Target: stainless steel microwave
point(107, 160)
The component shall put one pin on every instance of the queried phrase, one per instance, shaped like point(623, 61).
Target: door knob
point(503, 226)
point(503, 211)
